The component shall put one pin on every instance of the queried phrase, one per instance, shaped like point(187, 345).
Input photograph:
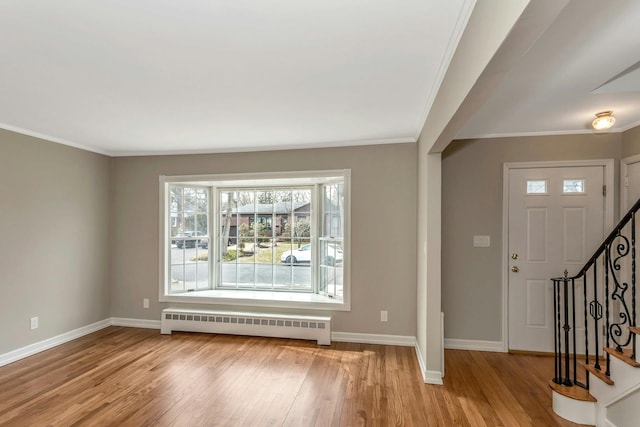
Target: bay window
point(277, 239)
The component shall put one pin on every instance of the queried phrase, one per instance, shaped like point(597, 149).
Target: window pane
point(246, 275)
point(283, 276)
point(246, 250)
point(301, 227)
point(189, 199)
point(228, 274)
point(331, 280)
point(202, 200)
point(264, 276)
point(302, 277)
point(188, 241)
point(333, 208)
point(331, 253)
point(573, 186)
point(323, 285)
point(201, 224)
point(301, 201)
point(175, 199)
point(177, 270)
point(273, 228)
point(202, 271)
point(537, 186)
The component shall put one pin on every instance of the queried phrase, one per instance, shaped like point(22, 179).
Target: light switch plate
point(481, 241)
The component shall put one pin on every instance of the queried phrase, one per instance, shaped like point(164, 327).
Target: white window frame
point(259, 298)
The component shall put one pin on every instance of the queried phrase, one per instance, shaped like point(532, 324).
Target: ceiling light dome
point(603, 120)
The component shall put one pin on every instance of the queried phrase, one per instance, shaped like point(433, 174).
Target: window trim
point(282, 299)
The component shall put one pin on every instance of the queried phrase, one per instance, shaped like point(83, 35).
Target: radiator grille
point(246, 320)
point(284, 326)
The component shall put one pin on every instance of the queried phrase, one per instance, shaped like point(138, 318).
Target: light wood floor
point(137, 377)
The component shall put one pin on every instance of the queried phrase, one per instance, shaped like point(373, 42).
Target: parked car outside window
point(303, 255)
point(189, 239)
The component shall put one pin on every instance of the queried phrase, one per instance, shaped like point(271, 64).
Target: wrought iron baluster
point(556, 323)
point(606, 304)
point(596, 312)
point(567, 328)
point(573, 331)
point(617, 330)
point(633, 282)
point(586, 324)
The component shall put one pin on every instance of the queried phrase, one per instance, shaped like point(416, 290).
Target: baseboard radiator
point(241, 323)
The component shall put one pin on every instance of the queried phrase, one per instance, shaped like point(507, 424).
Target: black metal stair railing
point(607, 303)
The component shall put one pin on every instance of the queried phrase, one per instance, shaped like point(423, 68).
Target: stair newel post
point(633, 283)
point(567, 328)
point(606, 304)
point(595, 316)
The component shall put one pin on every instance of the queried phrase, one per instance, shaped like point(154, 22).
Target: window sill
point(259, 299)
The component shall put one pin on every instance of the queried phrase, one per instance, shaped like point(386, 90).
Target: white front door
point(556, 220)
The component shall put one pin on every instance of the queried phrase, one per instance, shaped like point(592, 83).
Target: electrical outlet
point(34, 323)
point(145, 303)
point(384, 316)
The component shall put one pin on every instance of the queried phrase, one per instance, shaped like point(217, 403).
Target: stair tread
point(634, 329)
point(575, 392)
point(598, 373)
point(625, 356)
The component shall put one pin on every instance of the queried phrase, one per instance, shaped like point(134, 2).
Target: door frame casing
point(624, 163)
point(607, 164)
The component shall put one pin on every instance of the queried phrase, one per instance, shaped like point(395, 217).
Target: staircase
point(597, 373)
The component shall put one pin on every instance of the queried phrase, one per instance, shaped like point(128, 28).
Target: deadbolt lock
point(514, 256)
point(515, 269)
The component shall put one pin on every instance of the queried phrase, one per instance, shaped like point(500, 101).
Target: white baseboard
point(400, 340)
point(135, 323)
point(429, 377)
point(421, 364)
point(433, 377)
point(475, 345)
point(20, 353)
point(39, 346)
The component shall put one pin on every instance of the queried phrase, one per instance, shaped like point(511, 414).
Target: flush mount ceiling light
point(603, 120)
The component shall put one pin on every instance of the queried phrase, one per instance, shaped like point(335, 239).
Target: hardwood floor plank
point(137, 377)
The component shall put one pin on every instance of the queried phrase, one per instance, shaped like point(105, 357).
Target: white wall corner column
point(476, 67)
point(429, 328)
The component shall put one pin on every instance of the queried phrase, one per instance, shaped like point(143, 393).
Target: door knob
point(515, 269)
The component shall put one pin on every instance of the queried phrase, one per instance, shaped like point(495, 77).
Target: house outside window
point(259, 239)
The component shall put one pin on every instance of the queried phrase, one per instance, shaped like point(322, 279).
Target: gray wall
point(383, 218)
point(472, 205)
point(54, 253)
point(631, 142)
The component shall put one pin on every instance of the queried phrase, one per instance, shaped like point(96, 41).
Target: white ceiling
point(158, 77)
point(127, 77)
point(586, 62)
